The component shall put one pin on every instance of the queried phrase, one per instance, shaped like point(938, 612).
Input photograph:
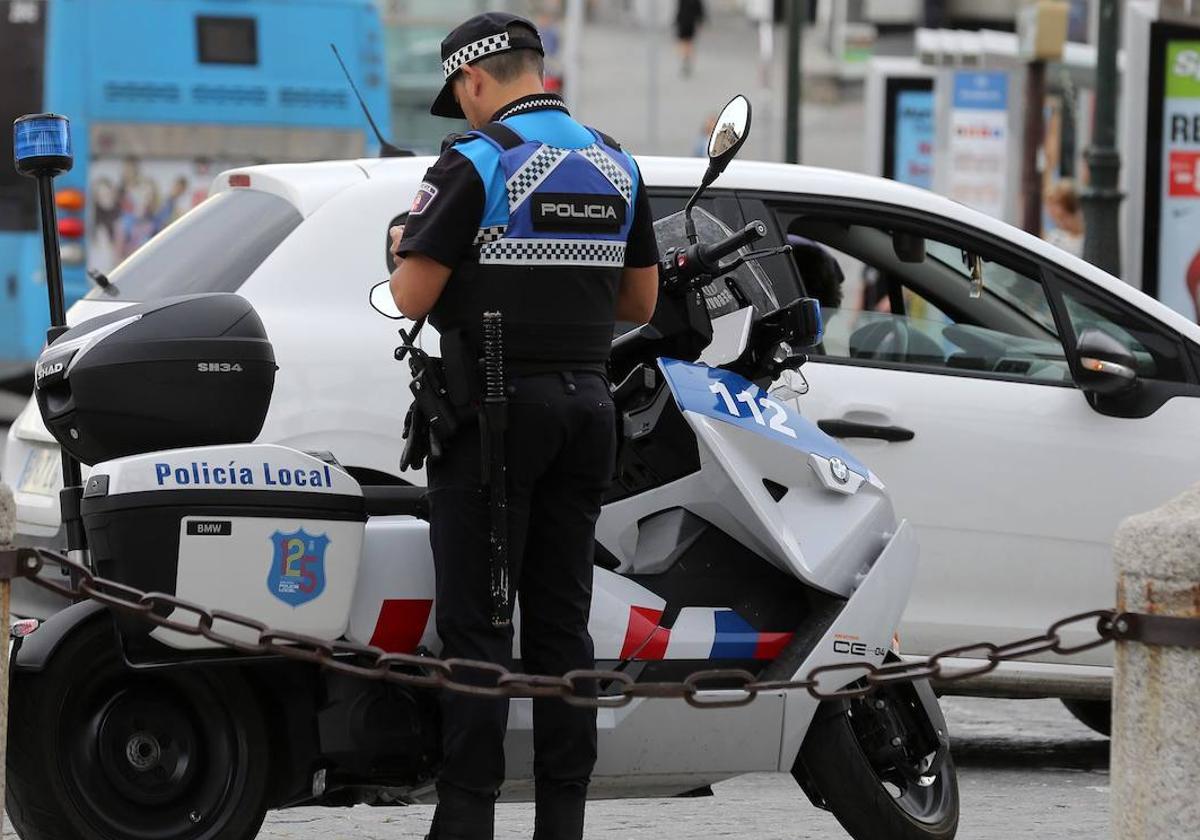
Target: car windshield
point(214, 247)
point(749, 278)
point(1001, 281)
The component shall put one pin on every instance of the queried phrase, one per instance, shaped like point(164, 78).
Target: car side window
point(1158, 355)
point(895, 298)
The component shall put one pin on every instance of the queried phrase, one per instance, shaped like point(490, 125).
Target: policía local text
point(202, 474)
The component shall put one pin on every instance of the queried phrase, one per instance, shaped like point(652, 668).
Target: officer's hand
point(397, 233)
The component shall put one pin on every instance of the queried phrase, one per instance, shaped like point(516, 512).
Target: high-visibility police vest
point(551, 246)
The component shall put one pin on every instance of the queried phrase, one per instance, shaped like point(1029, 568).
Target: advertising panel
point(908, 145)
point(132, 198)
point(1173, 175)
point(978, 141)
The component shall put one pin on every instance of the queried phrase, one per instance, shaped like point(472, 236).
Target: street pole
point(935, 14)
point(793, 88)
point(572, 47)
point(654, 45)
point(1035, 132)
point(1102, 198)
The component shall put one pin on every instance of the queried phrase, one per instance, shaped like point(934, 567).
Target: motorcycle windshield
point(749, 278)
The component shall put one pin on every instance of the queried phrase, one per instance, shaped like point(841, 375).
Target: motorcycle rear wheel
point(98, 751)
point(869, 797)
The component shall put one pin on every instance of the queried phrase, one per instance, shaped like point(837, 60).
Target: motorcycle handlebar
point(711, 255)
point(683, 266)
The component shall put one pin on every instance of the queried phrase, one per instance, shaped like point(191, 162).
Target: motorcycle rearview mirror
point(729, 134)
point(383, 302)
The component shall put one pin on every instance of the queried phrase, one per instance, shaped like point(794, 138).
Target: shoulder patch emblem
point(426, 193)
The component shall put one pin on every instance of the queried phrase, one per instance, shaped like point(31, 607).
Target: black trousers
point(560, 447)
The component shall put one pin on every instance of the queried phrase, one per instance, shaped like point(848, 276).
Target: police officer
point(547, 221)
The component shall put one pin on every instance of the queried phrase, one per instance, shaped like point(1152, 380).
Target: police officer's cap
point(479, 37)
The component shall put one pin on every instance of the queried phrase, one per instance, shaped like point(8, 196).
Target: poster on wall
point(910, 126)
point(130, 199)
point(978, 146)
point(1177, 279)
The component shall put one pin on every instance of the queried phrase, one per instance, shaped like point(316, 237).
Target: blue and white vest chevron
point(559, 205)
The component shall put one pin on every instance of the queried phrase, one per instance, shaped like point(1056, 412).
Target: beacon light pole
point(42, 151)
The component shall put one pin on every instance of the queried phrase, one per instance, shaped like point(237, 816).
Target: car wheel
point(851, 758)
point(98, 751)
point(1094, 714)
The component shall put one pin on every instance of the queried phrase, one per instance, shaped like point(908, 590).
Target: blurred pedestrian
point(700, 147)
point(689, 14)
point(762, 13)
point(549, 21)
point(1062, 205)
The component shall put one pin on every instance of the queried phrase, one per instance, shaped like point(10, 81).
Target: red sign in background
point(1184, 174)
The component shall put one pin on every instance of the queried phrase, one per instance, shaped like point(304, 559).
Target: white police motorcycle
point(736, 535)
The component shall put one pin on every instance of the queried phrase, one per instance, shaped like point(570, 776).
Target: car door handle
point(852, 429)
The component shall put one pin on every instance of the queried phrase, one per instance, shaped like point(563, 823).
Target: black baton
point(495, 421)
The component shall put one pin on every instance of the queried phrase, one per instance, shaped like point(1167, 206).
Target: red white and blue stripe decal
point(401, 624)
point(697, 633)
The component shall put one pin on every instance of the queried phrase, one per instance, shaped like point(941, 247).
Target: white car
point(960, 385)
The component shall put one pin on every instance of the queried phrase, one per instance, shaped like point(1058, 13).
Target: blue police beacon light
point(42, 151)
point(42, 145)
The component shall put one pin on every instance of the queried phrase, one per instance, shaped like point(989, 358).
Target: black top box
point(195, 370)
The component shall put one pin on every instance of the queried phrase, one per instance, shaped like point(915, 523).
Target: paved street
point(1027, 769)
point(617, 97)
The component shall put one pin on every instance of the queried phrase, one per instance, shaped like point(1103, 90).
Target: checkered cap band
point(471, 52)
point(611, 170)
point(490, 234)
point(531, 174)
point(582, 252)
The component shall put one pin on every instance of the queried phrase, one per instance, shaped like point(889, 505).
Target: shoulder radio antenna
point(386, 149)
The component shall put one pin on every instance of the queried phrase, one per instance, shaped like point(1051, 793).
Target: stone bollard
point(8, 516)
point(1156, 689)
point(8, 523)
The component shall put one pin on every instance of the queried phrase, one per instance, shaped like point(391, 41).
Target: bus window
point(212, 248)
point(226, 40)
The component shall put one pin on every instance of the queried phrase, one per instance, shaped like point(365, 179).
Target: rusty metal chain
point(849, 679)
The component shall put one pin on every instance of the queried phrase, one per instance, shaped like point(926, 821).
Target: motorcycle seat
point(395, 500)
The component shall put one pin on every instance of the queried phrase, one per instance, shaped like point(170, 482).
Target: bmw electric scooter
point(736, 535)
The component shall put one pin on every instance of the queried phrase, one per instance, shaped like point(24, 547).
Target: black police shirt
point(448, 208)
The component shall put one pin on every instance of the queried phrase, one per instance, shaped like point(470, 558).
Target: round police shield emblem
point(297, 573)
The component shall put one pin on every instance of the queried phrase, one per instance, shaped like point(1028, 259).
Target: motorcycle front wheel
point(98, 751)
point(875, 786)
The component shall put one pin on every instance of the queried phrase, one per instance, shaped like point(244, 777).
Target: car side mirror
point(383, 302)
point(1106, 366)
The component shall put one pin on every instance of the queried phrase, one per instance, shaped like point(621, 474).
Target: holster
point(461, 369)
point(418, 442)
point(446, 394)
